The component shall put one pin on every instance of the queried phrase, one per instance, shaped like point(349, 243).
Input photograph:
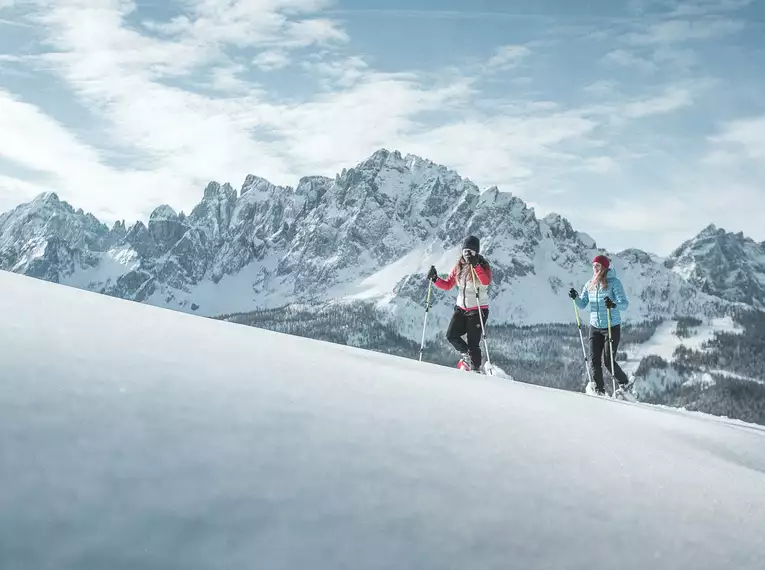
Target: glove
point(609, 303)
point(472, 259)
point(432, 274)
point(572, 293)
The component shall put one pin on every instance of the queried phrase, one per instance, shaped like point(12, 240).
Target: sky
point(641, 121)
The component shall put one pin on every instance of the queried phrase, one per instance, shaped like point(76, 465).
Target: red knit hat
point(602, 259)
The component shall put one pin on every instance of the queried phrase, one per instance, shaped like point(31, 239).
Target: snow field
point(134, 436)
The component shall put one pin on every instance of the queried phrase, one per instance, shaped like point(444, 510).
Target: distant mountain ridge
point(370, 233)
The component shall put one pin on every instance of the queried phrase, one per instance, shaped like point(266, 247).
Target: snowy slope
point(210, 445)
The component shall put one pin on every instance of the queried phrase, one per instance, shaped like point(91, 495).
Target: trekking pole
point(480, 316)
point(427, 309)
point(581, 338)
point(611, 348)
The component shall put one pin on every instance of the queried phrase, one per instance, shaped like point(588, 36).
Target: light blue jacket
point(596, 297)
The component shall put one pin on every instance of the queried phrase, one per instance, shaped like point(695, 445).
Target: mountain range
point(369, 236)
point(371, 233)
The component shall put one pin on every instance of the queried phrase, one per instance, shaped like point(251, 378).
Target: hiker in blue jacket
point(603, 291)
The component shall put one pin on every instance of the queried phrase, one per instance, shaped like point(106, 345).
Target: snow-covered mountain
point(371, 234)
point(724, 264)
point(172, 453)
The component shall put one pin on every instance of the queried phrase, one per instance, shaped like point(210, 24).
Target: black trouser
point(467, 323)
point(599, 346)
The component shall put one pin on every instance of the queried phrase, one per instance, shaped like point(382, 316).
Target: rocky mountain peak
point(380, 158)
point(213, 214)
point(46, 205)
point(559, 227)
point(722, 263)
point(710, 230)
point(166, 228)
point(211, 190)
point(163, 213)
point(44, 238)
point(634, 255)
point(492, 198)
point(139, 239)
point(258, 184)
point(46, 198)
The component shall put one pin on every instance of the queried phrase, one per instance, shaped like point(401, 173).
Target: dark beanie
point(472, 242)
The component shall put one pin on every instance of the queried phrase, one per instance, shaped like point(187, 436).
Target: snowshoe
point(624, 391)
point(464, 363)
point(494, 370)
point(593, 390)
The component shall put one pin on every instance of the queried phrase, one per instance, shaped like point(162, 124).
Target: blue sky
point(641, 121)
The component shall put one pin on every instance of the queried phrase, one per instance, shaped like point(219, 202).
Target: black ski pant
point(467, 323)
point(600, 352)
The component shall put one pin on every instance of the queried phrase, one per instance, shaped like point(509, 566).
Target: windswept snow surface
point(137, 437)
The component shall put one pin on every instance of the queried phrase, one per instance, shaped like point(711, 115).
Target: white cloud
point(703, 7)
point(601, 164)
point(685, 8)
point(271, 59)
point(668, 211)
point(227, 78)
point(664, 44)
point(314, 31)
point(7, 4)
point(506, 151)
point(14, 191)
point(629, 59)
point(98, 34)
point(340, 72)
point(377, 111)
point(683, 30)
point(601, 88)
point(672, 99)
point(253, 23)
point(682, 59)
point(724, 187)
point(73, 168)
point(617, 109)
point(730, 177)
point(684, 208)
point(508, 57)
point(745, 138)
point(639, 7)
point(186, 138)
point(38, 142)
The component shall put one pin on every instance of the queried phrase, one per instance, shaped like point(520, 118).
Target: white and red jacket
point(467, 299)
